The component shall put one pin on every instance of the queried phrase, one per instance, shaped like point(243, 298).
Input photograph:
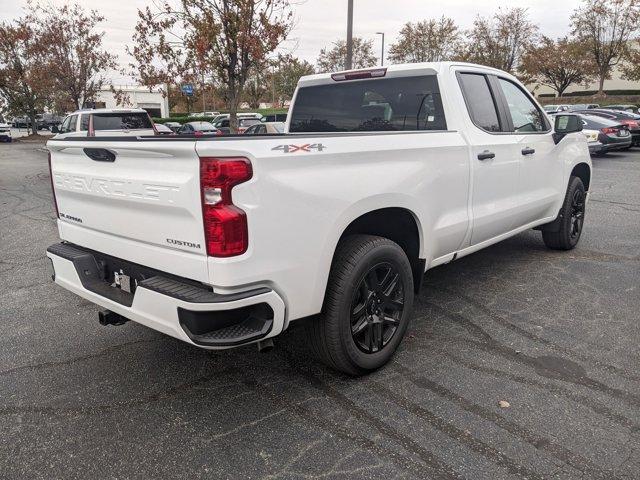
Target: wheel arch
point(583, 172)
point(398, 224)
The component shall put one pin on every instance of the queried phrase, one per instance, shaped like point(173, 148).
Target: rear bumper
point(179, 308)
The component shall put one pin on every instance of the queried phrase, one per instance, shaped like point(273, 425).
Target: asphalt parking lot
point(554, 334)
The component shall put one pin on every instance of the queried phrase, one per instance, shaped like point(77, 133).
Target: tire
point(363, 319)
point(571, 218)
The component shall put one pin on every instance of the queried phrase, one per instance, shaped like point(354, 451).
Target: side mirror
point(565, 124)
point(55, 129)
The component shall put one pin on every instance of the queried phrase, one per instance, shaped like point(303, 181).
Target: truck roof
point(110, 110)
point(427, 68)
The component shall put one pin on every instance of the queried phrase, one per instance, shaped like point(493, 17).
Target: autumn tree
point(501, 40)
point(557, 64)
point(73, 47)
point(333, 59)
point(427, 41)
point(631, 63)
point(25, 81)
point(223, 39)
point(605, 27)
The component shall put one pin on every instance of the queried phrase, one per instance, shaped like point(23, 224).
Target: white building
point(614, 83)
point(153, 101)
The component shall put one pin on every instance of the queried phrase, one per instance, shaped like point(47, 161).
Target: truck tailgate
point(139, 201)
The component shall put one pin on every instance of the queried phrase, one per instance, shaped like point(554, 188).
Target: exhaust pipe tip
point(265, 346)
point(107, 317)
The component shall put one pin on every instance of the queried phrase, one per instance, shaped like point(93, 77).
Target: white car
point(552, 109)
point(381, 174)
point(5, 131)
point(225, 116)
point(105, 122)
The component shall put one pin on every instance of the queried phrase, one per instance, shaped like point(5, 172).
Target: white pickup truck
point(382, 174)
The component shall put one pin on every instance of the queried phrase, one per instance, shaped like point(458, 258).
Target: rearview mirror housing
point(565, 124)
point(55, 129)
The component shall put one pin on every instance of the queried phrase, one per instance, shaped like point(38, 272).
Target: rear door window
point(525, 115)
point(73, 122)
point(480, 102)
point(384, 104)
point(121, 121)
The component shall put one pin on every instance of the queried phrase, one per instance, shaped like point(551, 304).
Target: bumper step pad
point(244, 332)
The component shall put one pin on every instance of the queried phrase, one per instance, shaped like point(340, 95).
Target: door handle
point(486, 155)
point(100, 154)
point(528, 151)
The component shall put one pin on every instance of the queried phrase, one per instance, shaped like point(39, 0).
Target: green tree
point(427, 41)
point(501, 40)
point(333, 59)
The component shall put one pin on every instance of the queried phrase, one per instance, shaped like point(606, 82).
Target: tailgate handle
point(100, 154)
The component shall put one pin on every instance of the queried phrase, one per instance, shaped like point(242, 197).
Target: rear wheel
point(367, 305)
point(571, 218)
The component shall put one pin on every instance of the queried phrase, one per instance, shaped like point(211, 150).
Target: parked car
point(175, 126)
point(163, 129)
point(582, 106)
point(275, 117)
point(243, 124)
point(631, 120)
point(205, 114)
point(198, 128)
point(556, 108)
point(225, 116)
point(263, 128)
point(222, 242)
point(105, 122)
point(612, 135)
point(5, 131)
point(626, 108)
point(25, 122)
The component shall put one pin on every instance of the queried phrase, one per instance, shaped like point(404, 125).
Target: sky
point(318, 23)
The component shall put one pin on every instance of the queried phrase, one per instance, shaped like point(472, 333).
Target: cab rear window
point(384, 104)
point(121, 121)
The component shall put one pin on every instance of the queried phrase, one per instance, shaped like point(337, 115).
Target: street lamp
point(348, 63)
point(382, 55)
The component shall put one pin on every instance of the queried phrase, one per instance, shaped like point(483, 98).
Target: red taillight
point(359, 74)
point(225, 225)
point(53, 190)
point(630, 123)
point(609, 130)
point(219, 132)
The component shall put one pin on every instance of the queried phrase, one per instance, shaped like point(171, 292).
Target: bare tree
point(427, 41)
point(25, 82)
point(557, 64)
point(77, 60)
point(500, 41)
point(223, 39)
point(332, 60)
point(605, 27)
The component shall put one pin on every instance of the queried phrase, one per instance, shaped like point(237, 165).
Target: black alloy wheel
point(377, 308)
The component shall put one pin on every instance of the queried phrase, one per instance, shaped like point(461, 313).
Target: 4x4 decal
point(307, 147)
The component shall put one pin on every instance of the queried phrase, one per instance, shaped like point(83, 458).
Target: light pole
point(382, 55)
point(348, 64)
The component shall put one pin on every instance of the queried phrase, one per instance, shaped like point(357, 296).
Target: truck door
point(541, 181)
point(495, 169)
